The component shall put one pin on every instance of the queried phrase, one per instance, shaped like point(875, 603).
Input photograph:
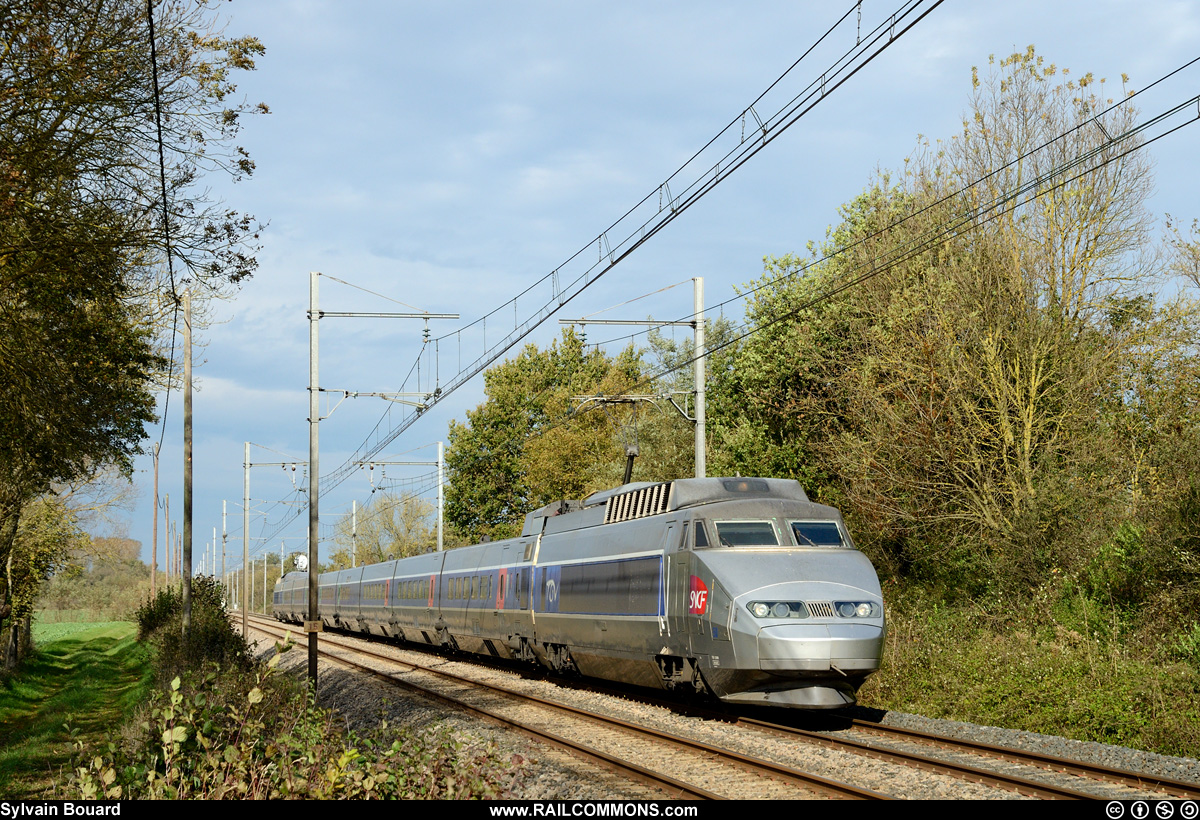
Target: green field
point(88, 676)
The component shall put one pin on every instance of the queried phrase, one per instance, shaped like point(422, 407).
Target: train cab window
point(817, 534)
point(683, 538)
point(747, 534)
point(701, 538)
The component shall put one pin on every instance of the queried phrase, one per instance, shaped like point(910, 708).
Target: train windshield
point(747, 534)
point(817, 534)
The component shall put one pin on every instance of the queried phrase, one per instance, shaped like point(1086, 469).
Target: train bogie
point(741, 587)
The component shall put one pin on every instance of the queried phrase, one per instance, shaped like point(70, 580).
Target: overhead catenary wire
point(984, 213)
point(1096, 119)
point(1054, 178)
point(644, 220)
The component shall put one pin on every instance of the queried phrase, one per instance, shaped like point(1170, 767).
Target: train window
point(701, 535)
point(747, 533)
point(683, 537)
point(817, 534)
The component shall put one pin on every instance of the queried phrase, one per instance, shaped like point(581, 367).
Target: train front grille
point(820, 609)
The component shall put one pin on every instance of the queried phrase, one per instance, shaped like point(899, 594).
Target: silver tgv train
point(741, 587)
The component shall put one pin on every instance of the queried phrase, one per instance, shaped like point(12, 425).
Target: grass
point(85, 616)
point(1040, 677)
point(90, 676)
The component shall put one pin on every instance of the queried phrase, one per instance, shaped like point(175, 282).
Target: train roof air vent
point(648, 500)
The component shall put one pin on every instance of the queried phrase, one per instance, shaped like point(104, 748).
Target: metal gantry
point(246, 465)
point(312, 623)
point(698, 341)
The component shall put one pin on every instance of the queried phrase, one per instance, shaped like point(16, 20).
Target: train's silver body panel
point(651, 584)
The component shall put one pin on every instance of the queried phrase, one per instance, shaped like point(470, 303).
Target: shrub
point(228, 735)
point(237, 730)
point(211, 637)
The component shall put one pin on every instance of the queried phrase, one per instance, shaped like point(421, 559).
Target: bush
point(237, 730)
point(1056, 661)
point(228, 735)
point(211, 637)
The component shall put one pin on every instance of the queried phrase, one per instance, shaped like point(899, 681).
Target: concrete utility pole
point(312, 623)
point(699, 372)
point(246, 465)
point(441, 493)
point(245, 536)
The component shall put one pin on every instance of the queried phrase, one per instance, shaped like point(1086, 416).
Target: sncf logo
point(698, 597)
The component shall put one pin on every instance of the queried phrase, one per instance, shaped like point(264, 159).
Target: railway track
point(681, 767)
point(861, 736)
point(717, 767)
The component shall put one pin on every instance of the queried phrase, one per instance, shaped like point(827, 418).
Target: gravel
point(554, 775)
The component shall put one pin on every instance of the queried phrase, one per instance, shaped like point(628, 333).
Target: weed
point(1064, 666)
point(238, 730)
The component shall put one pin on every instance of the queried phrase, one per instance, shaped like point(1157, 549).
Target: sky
point(446, 156)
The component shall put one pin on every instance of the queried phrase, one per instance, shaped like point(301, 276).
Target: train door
point(519, 618)
point(678, 572)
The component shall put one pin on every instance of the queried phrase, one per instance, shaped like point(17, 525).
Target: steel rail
point(673, 787)
point(745, 762)
point(1137, 780)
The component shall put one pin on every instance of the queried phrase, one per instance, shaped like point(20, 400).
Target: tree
point(44, 540)
point(523, 448)
point(391, 527)
point(84, 249)
point(968, 398)
point(79, 136)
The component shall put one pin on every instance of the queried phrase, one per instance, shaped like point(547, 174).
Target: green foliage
point(106, 587)
point(82, 281)
point(47, 536)
point(237, 730)
point(519, 450)
point(91, 675)
point(1054, 665)
point(988, 408)
point(228, 735)
point(1187, 645)
point(390, 527)
point(211, 636)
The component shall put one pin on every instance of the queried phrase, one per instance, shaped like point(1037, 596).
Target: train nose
point(811, 647)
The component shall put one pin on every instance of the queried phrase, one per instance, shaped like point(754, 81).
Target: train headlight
point(857, 609)
point(778, 609)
